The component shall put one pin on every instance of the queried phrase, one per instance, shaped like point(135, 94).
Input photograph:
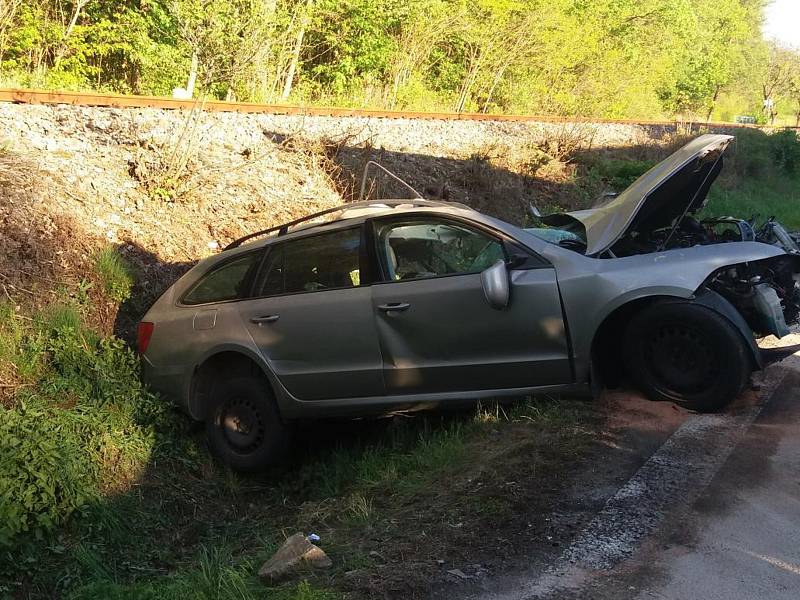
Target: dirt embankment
point(169, 187)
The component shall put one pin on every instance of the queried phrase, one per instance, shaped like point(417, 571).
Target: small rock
point(295, 550)
point(458, 573)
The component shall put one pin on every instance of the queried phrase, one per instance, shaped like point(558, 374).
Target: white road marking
point(677, 472)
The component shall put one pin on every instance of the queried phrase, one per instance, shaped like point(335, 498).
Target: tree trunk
point(79, 4)
point(713, 103)
point(497, 79)
point(192, 75)
point(298, 47)
point(469, 80)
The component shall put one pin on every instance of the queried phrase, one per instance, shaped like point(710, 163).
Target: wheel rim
point(681, 359)
point(242, 424)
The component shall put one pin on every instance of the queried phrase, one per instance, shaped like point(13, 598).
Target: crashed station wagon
point(393, 305)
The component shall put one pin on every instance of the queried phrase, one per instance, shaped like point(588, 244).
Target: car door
point(312, 319)
point(436, 330)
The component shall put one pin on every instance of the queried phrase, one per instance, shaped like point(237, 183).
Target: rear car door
point(312, 319)
point(437, 331)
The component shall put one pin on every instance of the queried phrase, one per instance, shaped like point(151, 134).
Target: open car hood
point(674, 187)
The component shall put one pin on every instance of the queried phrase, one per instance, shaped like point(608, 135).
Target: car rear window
point(315, 263)
point(227, 282)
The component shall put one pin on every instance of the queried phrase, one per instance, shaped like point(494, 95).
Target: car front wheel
point(687, 354)
point(244, 428)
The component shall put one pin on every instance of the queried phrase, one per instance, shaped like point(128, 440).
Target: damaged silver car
point(400, 305)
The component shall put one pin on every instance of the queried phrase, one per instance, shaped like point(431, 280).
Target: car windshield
point(560, 236)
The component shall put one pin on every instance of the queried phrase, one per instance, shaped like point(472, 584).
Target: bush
point(757, 154)
point(785, 150)
point(619, 174)
point(84, 426)
point(115, 274)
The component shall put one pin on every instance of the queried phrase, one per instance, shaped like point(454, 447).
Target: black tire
point(244, 428)
point(687, 354)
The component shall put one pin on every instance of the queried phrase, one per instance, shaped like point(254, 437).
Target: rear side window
point(228, 282)
point(316, 263)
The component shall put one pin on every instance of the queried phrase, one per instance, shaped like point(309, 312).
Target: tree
point(223, 37)
point(777, 78)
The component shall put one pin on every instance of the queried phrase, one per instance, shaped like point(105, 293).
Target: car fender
point(251, 353)
point(592, 289)
point(714, 301)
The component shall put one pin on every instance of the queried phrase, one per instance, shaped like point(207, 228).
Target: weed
point(84, 428)
point(215, 576)
point(166, 171)
point(115, 274)
point(360, 507)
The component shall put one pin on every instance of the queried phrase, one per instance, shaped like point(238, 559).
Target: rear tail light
point(143, 336)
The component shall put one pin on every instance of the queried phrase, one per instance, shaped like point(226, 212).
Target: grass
point(761, 177)
point(187, 524)
point(763, 198)
point(214, 578)
point(115, 274)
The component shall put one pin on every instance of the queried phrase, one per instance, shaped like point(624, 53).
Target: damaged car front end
point(767, 295)
point(757, 285)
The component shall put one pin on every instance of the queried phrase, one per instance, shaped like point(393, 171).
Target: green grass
point(115, 274)
point(192, 526)
point(216, 577)
point(78, 425)
point(761, 177)
point(777, 197)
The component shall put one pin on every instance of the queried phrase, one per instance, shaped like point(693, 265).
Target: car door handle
point(394, 306)
point(265, 319)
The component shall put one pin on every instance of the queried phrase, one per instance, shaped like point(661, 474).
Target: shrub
point(758, 154)
point(785, 150)
point(115, 274)
point(85, 426)
point(619, 174)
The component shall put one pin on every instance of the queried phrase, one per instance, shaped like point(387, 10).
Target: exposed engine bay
point(766, 292)
point(693, 232)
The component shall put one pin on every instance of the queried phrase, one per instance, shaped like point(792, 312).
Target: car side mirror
point(496, 285)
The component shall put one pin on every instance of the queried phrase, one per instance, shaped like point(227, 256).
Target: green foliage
point(80, 423)
point(785, 148)
point(213, 580)
point(115, 274)
point(757, 155)
point(618, 174)
point(761, 179)
point(608, 58)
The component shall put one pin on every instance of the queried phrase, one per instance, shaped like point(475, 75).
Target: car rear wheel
point(687, 354)
point(244, 428)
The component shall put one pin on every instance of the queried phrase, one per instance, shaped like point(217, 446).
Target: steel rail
point(26, 96)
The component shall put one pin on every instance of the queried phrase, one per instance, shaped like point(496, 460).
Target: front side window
point(228, 282)
point(315, 263)
point(433, 248)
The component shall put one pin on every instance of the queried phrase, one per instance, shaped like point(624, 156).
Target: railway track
point(25, 96)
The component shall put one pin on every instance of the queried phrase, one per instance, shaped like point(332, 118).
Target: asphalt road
point(714, 513)
point(741, 538)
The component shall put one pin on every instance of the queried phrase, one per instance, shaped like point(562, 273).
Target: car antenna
point(372, 163)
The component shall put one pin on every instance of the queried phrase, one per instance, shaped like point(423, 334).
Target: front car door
point(312, 319)
point(438, 333)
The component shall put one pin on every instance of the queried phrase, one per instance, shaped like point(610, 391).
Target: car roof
point(353, 212)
